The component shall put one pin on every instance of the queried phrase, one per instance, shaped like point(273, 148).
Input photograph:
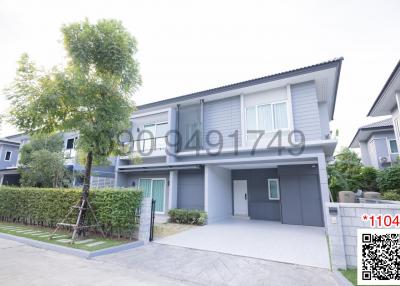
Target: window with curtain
point(280, 116)
point(267, 117)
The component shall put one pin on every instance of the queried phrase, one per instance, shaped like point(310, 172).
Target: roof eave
point(381, 94)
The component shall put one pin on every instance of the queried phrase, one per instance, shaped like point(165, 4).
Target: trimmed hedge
point(116, 209)
point(392, 195)
point(183, 216)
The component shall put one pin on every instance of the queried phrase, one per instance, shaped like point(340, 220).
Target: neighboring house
point(193, 171)
point(388, 102)
point(9, 150)
point(377, 143)
point(102, 176)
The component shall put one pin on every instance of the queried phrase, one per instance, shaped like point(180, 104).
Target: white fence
point(343, 220)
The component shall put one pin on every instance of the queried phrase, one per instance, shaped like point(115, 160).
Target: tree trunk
point(86, 187)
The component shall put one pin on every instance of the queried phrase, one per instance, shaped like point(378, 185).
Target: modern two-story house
point(256, 149)
point(388, 102)
point(377, 143)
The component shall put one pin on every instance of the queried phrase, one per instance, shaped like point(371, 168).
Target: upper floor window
point(153, 136)
point(393, 146)
point(7, 157)
point(267, 117)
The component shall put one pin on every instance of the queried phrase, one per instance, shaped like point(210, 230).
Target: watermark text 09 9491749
point(145, 142)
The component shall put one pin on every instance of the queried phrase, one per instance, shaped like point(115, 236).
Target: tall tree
point(90, 94)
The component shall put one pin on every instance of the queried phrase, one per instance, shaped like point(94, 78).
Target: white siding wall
point(218, 193)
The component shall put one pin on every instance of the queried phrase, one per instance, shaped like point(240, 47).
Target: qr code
point(378, 253)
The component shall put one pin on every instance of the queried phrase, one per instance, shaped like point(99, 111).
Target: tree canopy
point(90, 94)
point(41, 162)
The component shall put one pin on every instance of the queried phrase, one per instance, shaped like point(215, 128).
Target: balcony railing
point(149, 144)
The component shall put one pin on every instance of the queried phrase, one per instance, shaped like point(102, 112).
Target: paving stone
point(60, 235)
point(65, 240)
point(84, 241)
point(95, 243)
point(39, 233)
point(44, 235)
point(23, 230)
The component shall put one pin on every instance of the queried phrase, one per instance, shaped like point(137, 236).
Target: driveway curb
point(72, 251)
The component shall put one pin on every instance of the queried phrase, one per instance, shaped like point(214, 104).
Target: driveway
point(303, 245)
point(153, 264)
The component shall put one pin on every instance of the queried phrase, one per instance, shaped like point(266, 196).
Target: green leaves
point(117, 210)
point(42, 162)
point(91, 95)
point(389, 178)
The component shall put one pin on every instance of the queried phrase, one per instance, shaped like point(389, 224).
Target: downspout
point(177, 146)
point(201, 143)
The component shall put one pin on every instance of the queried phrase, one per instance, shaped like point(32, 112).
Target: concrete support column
point(172, 136)
point(145, 220)
point(173, 190)
point(323, 179)
point(217, 193)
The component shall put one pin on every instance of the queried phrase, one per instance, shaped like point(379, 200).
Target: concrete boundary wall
point(343, 220)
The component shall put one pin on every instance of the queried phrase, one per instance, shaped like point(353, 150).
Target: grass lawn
point(42, 234)
point(351, 275)
point(166, 229)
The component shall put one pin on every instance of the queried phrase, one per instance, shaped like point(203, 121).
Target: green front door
point(154, 188)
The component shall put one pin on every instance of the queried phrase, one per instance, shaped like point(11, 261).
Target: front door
point(240, 206)
point(155, 189)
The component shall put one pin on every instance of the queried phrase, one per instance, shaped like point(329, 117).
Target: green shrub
point(367, 179)
point(183, 216)
point(389, 178)
point(393, 195)
point(115, 209)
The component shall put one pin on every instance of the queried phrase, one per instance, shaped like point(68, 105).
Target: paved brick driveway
point(153, 264)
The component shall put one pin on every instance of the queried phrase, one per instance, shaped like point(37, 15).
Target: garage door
point(301, 200)
point(191, 189)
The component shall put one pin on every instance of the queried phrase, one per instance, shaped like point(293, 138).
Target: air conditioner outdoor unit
point(384, 159)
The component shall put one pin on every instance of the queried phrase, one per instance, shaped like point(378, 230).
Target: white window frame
point(288, 117)
point(269, 190)
point(389, 147)
point(153, 135)
point(5, 156)
point(151, 190)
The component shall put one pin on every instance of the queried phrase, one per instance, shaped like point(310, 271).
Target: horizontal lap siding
point(223, 116)
point(305, 110)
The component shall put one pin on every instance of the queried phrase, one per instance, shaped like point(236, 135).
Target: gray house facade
point(388, 102)
point(256, 149)
point(377, 143)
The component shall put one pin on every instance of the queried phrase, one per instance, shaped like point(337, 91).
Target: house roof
point(364, 132)
point(287, 74)
point(385, 101)
point(8, 141)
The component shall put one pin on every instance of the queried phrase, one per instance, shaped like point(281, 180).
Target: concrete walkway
point(153, 264)
point(303, 245)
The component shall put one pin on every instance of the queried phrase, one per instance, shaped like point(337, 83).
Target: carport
point(270, 240)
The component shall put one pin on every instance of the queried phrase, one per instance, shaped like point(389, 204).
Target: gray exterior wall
point(324, 119)
point(223, 116)
point(14, 155)
point(301, 202)
point(260, 207)
point(191, 189)
point(375, 147)
point(305, 110)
